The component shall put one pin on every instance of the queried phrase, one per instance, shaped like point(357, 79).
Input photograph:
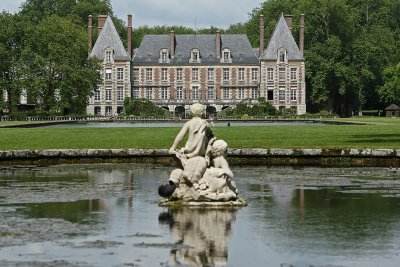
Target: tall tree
point(390, 92)
point(59, 74)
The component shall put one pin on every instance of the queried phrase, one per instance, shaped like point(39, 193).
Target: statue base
point(166, 202)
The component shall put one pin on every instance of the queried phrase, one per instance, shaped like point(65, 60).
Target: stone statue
point(205, 175)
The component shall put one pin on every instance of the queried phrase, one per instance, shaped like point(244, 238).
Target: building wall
point(270, 86)
point(190, 83)
point(113, 91)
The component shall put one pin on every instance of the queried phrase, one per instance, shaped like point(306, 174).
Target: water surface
point(107, 215)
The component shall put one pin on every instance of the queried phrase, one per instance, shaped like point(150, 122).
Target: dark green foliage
point(247, 108)
point(142, 107)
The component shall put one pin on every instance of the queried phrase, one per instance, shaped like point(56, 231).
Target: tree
point(389, 93)
point(143, 107)
point(60, 77)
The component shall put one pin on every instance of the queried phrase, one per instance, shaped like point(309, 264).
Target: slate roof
point(392, 107)
point(109, 38)
point(282, 37)
point(239, 45)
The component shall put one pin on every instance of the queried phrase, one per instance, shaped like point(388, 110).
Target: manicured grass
point(308, 136)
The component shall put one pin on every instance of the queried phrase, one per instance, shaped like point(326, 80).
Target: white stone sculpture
point(205, 173)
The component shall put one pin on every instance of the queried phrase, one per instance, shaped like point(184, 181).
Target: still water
point(107, 215)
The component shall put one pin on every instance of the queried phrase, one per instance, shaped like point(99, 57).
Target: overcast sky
point(202, 13)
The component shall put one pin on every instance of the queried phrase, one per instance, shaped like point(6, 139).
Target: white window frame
point(195, 56)
point(164, 56)
point(210, 74)
point(225, 74)
point(149, 92)
point(282, 74)
point(149, 74)
point(164, 93)
point(108, 94)
point(108, 74)
point(293, 74)
point(97, 95)
point(179, 74)
point(120, 93)
point(109, 111)
point(109, 56)
point(241, 93)
point(282, 94)
point(210, 92)
point(195, 92)
point(135, 74)
point(164, 74)
point(226, 56)
point(293, 94)
point(195, 74)
point(120, 73)
point(241, 72)
point(270, 74)
point(226, 93)
point(254, 93)
point(254, 74)
point(282, 55)
point(180, 93)
point(135, 92)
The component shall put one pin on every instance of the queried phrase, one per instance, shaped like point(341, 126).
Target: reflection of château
point(217, 70)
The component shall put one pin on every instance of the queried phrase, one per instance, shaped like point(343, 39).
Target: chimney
point(130, 35)
point(172, 43)
point(100, 22)
point(261, 49)
point(90, 32)
point(218, 44)
point(289, 21)
point(301, 37)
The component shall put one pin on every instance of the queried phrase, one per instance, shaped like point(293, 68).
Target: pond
point(116, 124)
point(107, 215)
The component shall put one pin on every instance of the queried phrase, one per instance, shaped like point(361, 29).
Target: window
point(109, 111)
point(270, 94)
point(97, 95)
point(254, 74)
point(241, 74)
point(179, 92)
point(149, 93)
point(164, 92)
point(195, 92)
point(195, 74)
point(254, 93)
point(293, 94)
point(282, 74)
point(210, 74)
point(240, 93)
point(281, 55)
point(293, 74)
point(120, 93)
point(135, 92)
point(282, 96)
point(136, 74)
point(108, 56)
point(164, 74)
point(225, 74)
point(226, 56)
point(195, 56)
point(164, 55)
point(179, 74)
point(120, 73)
point(149, 74)
point(225, 93)
point(210, 92)
point(108, 74)
point(270, 74)
point(97, 110)
point(108, 94)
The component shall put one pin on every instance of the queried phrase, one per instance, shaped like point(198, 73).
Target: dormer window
point(282, 55)
point(195, 56)
point(226, 56)
point(164, 56)
point(109, 57)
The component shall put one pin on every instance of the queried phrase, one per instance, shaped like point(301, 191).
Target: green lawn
point(309, 136)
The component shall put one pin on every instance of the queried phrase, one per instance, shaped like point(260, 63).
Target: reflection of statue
point(206, 175)
point(200, 244)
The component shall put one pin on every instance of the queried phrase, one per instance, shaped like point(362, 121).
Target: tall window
point(109, 111)
point(149, 74)
point(135, 92)
point(120, 93)
point(195, 56)
point(179, 74)
point(108, 94)
point(254, 74)
point(195, 74)
point(293, 94)
point(108, 56)
point(164, 74)
point(282, 74)
point(97, 95)
point(282, 56)
point(136, 74)
point(225, 93)
point(293, 74)
point(225, 74)
point(120, 73)
point(241, 93)
point(210, 74)
point(270, 74)
point(254, 93)
point(241, 74)
point(179, 92)
point(149, 93)
point(226, 56)
point(108, 74)
point(282, 95)
point(270, 93)
point(164, 92)
point(195, 92)
point(164, 55)
point(210, 92)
